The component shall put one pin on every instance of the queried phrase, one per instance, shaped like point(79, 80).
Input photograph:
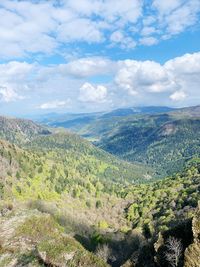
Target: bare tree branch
point(174, 251)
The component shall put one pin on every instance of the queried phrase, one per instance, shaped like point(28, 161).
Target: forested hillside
point(19, 131)
point(161, 138)
point(80, 122)
point(163, 143)
point(63, 163)
point(69, 202)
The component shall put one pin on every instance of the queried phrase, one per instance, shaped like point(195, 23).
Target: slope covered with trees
point(128, 217)
point(19, 131)
point(159, 137)
point(105, 211)
point(163, 142)
point(61, 163)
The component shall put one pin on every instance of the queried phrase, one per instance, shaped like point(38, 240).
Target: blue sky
point(92, 55)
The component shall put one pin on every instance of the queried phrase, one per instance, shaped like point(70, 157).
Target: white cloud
point(42, 27)
point(85, 67)
point(186, 65)
point(129, 81)
point(148, 31)
point(119, 38)
point(92, 93)
point(80, 29)
point(54, 104)
point(178, 96)
point(183, 17)
point(174, 16)
point(26, 28)
point(14, 78)
point(8, 94)
point(148, 41)
point(148, 20)
point(165, 7)
point(127, 11)
point(124, 79)
point(15, 70)
point(32, 27)
point(178, 79)
point(135, 76)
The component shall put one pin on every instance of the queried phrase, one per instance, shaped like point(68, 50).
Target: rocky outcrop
point(31, 238)
point(192, 253)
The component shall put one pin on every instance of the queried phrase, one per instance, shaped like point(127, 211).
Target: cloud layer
point(77, 85)
point(49, 27)
point(85, 55)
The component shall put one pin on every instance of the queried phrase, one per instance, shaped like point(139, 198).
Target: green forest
point(71, 203)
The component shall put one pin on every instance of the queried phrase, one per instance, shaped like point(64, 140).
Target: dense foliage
point(165, 146)
point(113, 208)
point(62, 163)
point(157, 136)
point(162, 204)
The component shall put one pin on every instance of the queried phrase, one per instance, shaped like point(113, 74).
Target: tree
point(174, 251)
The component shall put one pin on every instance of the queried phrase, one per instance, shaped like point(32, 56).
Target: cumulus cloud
point(54, 104)
point(178, 96)
point(183, 17)
point(86, 67)
point(14, 78)
point(185, 65)
point(14, 70)
point(8, 94)
point(129, 81)
point(136, 76)
point(178, 78)
point(92, 93)
point(118, 37)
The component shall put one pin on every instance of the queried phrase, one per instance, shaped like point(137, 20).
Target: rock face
point(31, 238)
point(192, 253)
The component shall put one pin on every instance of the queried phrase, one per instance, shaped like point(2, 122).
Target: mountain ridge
point(140, 136)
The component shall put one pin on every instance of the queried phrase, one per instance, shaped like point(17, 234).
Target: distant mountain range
point(76, 121)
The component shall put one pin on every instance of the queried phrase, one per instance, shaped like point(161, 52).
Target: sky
point(72, 56)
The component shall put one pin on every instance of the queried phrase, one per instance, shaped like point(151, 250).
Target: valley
point(161, 138)
point(114, 202)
